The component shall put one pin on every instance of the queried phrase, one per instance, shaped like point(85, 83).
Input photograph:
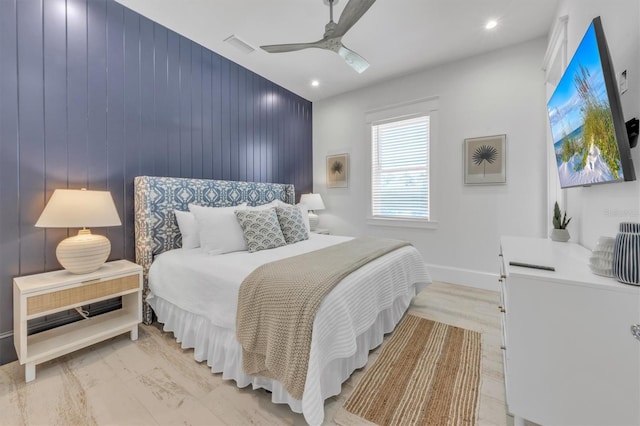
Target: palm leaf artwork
point(337, 167)
point(483, 155)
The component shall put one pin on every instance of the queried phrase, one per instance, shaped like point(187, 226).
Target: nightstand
point(324, 231)
point(44, 294)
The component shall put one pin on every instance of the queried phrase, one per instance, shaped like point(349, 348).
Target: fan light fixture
point(333, 33)
point(79, 208)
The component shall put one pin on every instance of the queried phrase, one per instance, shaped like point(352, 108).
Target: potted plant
point(560, 222)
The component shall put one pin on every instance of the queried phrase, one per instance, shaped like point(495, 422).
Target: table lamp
point(313, 202)
point(79, 208)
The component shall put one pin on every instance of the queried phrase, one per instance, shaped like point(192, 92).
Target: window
point(400, 168)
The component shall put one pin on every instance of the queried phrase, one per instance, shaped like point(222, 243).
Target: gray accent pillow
point(261, 229)
point(292, 223)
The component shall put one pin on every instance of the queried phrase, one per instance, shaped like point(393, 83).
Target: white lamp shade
point(79, 208)
point(312, 201)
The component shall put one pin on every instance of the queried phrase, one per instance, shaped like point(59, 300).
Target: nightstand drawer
point(79, 295)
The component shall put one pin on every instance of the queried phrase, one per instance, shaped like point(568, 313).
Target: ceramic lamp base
point(314, 220)
point(83, 253)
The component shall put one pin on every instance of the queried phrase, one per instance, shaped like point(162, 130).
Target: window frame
point(400, 112)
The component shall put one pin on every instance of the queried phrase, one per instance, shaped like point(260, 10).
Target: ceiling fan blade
point(354, 60)
point(351, 13)
point(279, 48)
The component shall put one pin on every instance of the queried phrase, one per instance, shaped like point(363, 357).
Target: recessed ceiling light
point(315, 83)
point(491, 24)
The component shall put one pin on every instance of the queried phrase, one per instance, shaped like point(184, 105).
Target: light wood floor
point(153, 381)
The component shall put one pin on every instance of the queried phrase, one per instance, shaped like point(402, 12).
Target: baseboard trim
point(467, 277)
point(7, 352)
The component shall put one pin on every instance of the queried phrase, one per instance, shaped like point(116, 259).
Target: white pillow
point(188, 228)
point(219, 229)
point(305, 215)
point(274, 203)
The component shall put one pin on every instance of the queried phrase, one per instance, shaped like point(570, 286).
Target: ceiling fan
point(333, 33)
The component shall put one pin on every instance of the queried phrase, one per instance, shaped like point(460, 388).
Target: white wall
point(499, 92)
point(598, 210)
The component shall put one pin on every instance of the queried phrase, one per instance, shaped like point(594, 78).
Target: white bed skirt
point(219, 347)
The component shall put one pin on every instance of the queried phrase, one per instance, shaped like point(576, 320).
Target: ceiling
point(397, 37)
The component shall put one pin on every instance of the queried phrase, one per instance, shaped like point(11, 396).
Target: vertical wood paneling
point(32, 190)
point(289, 140)
point(262, 102)
point(150, 147)
point(93, 94)
point(250, 127)
point(185, 108)
point(216, 97)
point(242, 124)
point(115, 119)
point(173, 102)
point(225, 155)
point(277, 177)
point(97, 95)
point(77, 96)
point(161, 103)
point(9, 149)
point(132, 121)
point(196, 111)
point(207, 114)
point(233, 122)
point(56, 154)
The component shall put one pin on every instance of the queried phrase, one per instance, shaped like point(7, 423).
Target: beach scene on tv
point(581, 121)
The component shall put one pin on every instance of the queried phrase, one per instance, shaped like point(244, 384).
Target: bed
point(194, 294)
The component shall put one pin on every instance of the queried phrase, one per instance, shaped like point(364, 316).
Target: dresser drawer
point(80, 295)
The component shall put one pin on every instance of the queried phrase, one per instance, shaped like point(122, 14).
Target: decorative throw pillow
point(292, 224)
point(305, 215)
point(218, 229)
point(188, 226)
point(261, 229)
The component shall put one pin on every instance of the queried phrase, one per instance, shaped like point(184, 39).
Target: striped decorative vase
point(626, 254)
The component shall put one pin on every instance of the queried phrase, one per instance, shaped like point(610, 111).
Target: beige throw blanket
point(278, 302)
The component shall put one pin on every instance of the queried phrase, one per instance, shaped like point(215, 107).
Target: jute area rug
point(427, 373)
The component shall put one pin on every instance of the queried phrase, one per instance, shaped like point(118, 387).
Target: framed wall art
point(485, 160)
point(338, 171)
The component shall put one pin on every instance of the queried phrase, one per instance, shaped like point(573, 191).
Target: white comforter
point(370, 300)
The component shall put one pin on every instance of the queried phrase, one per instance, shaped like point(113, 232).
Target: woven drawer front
point(81, 294)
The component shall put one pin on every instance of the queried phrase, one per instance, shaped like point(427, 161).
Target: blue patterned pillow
point(261, 229)
point(292, 223)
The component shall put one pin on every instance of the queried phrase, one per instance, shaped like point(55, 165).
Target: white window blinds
point(400, 169)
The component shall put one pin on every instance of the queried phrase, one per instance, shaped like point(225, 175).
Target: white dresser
point(570, 355)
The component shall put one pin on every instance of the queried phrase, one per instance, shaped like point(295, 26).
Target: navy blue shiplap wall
point(92, 94)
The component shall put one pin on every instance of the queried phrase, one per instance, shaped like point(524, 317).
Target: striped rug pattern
point(428, 373)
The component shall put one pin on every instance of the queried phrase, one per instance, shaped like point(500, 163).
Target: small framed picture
point(338, 171)
point(485, 160)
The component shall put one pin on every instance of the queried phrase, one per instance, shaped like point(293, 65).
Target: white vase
point(561, 235)
point(601, 259)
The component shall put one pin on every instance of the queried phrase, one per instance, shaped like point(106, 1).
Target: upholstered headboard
point(156, 229)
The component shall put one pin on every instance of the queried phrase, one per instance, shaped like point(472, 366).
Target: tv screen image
point(587, 124)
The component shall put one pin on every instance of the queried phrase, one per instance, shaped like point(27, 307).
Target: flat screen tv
point(587, 123)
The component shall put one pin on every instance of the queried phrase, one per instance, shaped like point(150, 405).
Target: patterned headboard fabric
point(156, 229)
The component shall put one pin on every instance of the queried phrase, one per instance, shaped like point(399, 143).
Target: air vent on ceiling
point(239, 44)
